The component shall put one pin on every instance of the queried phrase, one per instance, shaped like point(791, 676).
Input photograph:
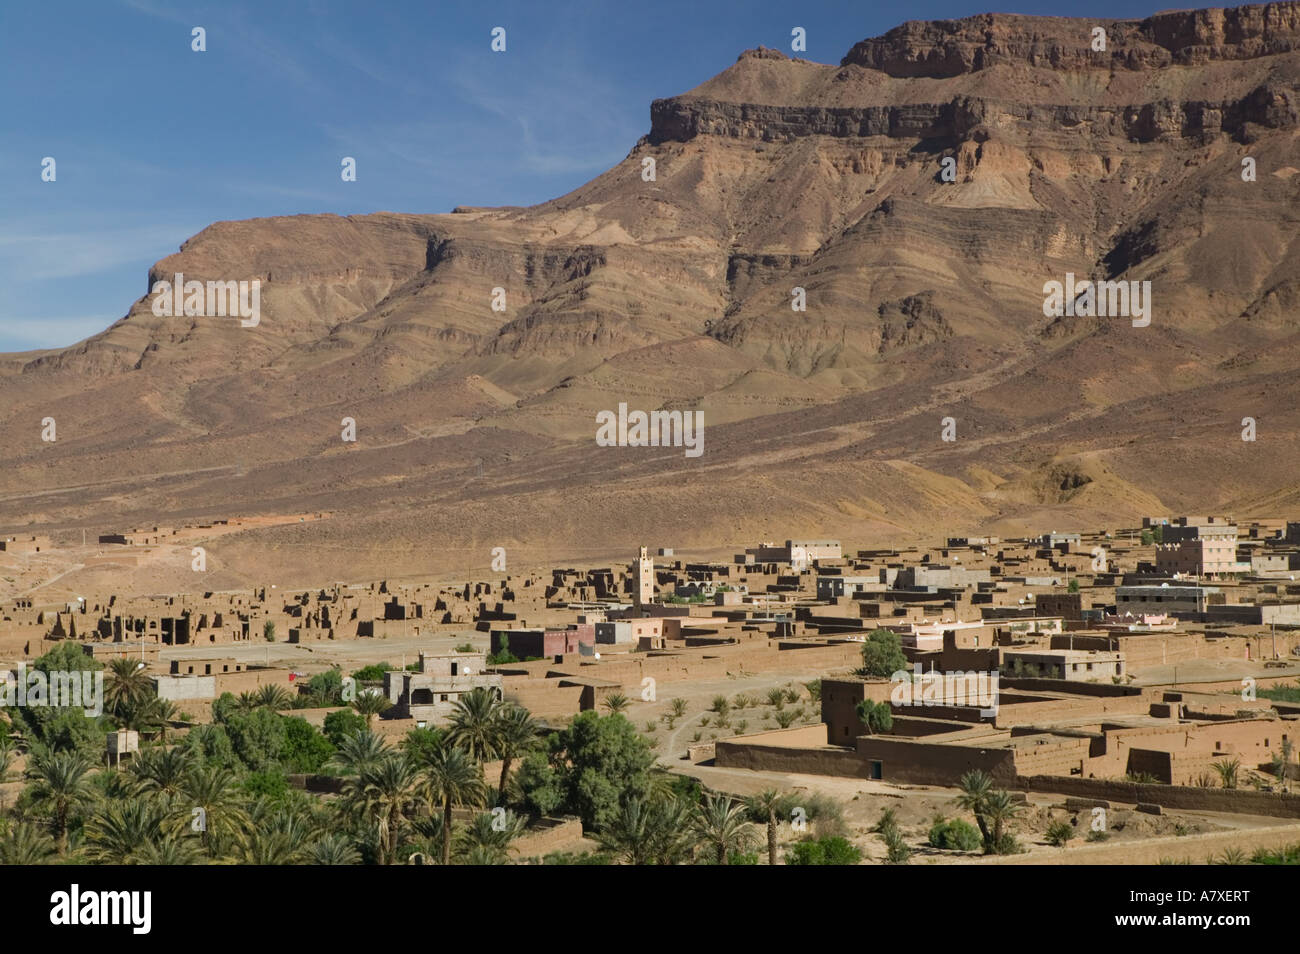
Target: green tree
point(126, 685)
point(598, 762)
point(358, 752)
point(258, 737)
point(646, 831)
point(341, 723)
point(1000, 808)
point(486, 839)
point(211, 745)
point(120, 831)
point(764, 808)
point(371, 704)
point(273, 697)
point(976, 787)
point(326, 688)
point(473, 725)
point(452, 778)
point(210, 799)
point(25, 844)
point(516, 736)
point(60, 786)
point(882, 654)
point(386, 794)
point(876, 717)
point(159, 771)
point(721, 823)
point(305, 749)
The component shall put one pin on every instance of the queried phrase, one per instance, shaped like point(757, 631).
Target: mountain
point(924, 301)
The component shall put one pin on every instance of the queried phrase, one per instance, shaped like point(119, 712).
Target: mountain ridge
point(924, 300)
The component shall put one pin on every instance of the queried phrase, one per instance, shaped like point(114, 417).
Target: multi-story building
point(1199, 546)
point(433, 691)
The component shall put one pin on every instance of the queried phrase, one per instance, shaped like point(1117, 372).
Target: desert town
point(1115, 696)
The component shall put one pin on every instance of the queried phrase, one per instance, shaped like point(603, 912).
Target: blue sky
point(154, 141)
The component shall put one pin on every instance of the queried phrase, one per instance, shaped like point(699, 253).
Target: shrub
point(372, 673)
point(824, 851)
point(955, 835)
point(271, 784)
point(1059, 833)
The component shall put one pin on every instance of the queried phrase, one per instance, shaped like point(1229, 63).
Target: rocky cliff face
point(1183, 38)
point(828, 260)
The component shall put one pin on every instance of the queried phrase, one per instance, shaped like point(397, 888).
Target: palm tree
point(160, 770)
point(246, 702)
point(274, 697)
point(168, 850)
point(25, 844)
point(474, 723)
point(210, 798)
point(387, 794)
point(280, 835)
point(1228, 772)
point(162, 712)
point(722, 822)
point(333, 849)
point(452, 778)
point(146, 715)
point(763, 808)
point(358, 752)
point(61, 786)
point(1000, 808)
point(126, 686)
point(616, 702)
point(370, 704)
point(482, 855)
point(122, 830)
point(976, 786)
point(647, 831)
point(272, 848)
point(8, 752)
point(489, 835)
point(517, 734)
point(428, 830)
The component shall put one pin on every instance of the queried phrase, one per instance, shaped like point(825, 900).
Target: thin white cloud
point(37, 256)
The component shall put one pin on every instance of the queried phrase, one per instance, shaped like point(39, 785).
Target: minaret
point(645, 579)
